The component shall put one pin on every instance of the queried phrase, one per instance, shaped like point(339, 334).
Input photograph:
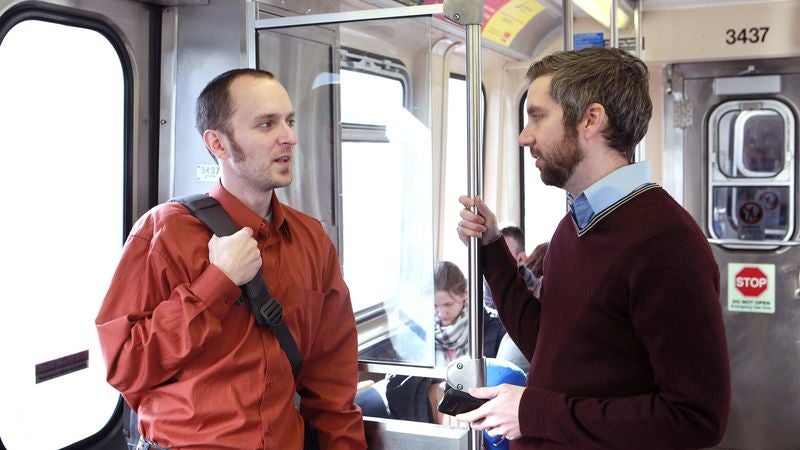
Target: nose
point(526, 138)
point(289, 135)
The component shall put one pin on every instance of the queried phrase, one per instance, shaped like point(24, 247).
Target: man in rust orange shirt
point(188, 359)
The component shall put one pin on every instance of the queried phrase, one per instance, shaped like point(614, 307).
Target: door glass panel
point(751, 213)
point(751, 143)
point(382, 170)
point(301, 61)
point(387, 188)
point(62, 118)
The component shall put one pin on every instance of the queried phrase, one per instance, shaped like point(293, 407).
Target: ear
point(214, 142)
point(593, 122)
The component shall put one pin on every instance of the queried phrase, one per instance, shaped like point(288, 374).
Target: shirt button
point(271, 381)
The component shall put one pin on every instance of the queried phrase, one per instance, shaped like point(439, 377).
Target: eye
point(266, 124)
point(290, 122)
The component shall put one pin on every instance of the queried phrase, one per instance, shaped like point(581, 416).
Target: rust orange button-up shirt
point(193, 363)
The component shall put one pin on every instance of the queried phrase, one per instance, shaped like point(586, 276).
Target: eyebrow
point(535, 109)
point(273, 116)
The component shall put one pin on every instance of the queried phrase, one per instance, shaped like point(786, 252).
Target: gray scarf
point(452, 337)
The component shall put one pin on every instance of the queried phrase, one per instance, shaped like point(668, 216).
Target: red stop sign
point(751, 281)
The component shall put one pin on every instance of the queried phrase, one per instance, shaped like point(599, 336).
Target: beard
point(559, 166)
point(237, 154)
point(253, 174)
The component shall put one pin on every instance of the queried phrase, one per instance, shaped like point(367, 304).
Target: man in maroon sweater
point(626, 338)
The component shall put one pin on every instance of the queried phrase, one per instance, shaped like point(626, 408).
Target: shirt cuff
point(216, 291)
point(534, 403)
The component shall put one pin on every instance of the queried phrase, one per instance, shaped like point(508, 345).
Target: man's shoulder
point(659, 206)
point(297, 218)
point(658, 224)
point(165, 218)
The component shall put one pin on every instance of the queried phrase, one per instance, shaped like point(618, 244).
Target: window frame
point(717, 178)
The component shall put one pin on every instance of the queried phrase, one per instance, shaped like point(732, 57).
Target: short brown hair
point(611, 77)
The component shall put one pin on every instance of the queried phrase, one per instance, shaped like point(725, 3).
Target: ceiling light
point(600, 10)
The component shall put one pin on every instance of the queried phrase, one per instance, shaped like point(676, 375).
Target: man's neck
point(594, 167)
point(259, 202)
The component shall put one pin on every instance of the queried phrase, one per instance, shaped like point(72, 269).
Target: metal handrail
point(744, 243)
point(348, 16)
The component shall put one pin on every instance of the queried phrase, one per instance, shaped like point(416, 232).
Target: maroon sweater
point(627, 343)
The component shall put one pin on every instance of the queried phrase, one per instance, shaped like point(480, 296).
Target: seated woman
point(452, 316)
point(415, 398)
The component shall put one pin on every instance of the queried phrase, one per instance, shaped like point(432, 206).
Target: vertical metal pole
point(470, 14)
point(569, 43)
point(475, 179)
point(637, 26)
point(474, 188)
point(639, 152)
point(613, 29)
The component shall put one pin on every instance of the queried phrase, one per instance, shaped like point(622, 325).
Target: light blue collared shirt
point(607, 191)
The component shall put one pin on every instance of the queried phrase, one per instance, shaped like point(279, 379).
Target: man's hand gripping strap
point(267, 310)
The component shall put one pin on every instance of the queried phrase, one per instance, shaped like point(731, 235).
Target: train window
point(454, 178)
point(543, 206)
point(370, 196)
point(62, 116)
point(751, 143)
point(751, 170)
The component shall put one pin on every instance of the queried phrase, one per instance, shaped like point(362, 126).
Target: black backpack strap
point(266, 309)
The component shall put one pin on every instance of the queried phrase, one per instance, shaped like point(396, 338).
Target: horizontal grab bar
point(750, 243)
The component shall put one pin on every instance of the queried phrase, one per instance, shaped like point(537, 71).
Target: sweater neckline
point(602, 214)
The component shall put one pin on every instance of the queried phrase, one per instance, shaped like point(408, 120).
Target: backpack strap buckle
point(272, 312)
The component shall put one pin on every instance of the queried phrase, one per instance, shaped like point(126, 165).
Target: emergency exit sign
point(751, 288)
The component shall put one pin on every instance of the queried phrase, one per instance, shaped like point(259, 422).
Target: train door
point(74, 84)
point(735, 126)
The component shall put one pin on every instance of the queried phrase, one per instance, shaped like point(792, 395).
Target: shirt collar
point(243, 216)
point(607, 191)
